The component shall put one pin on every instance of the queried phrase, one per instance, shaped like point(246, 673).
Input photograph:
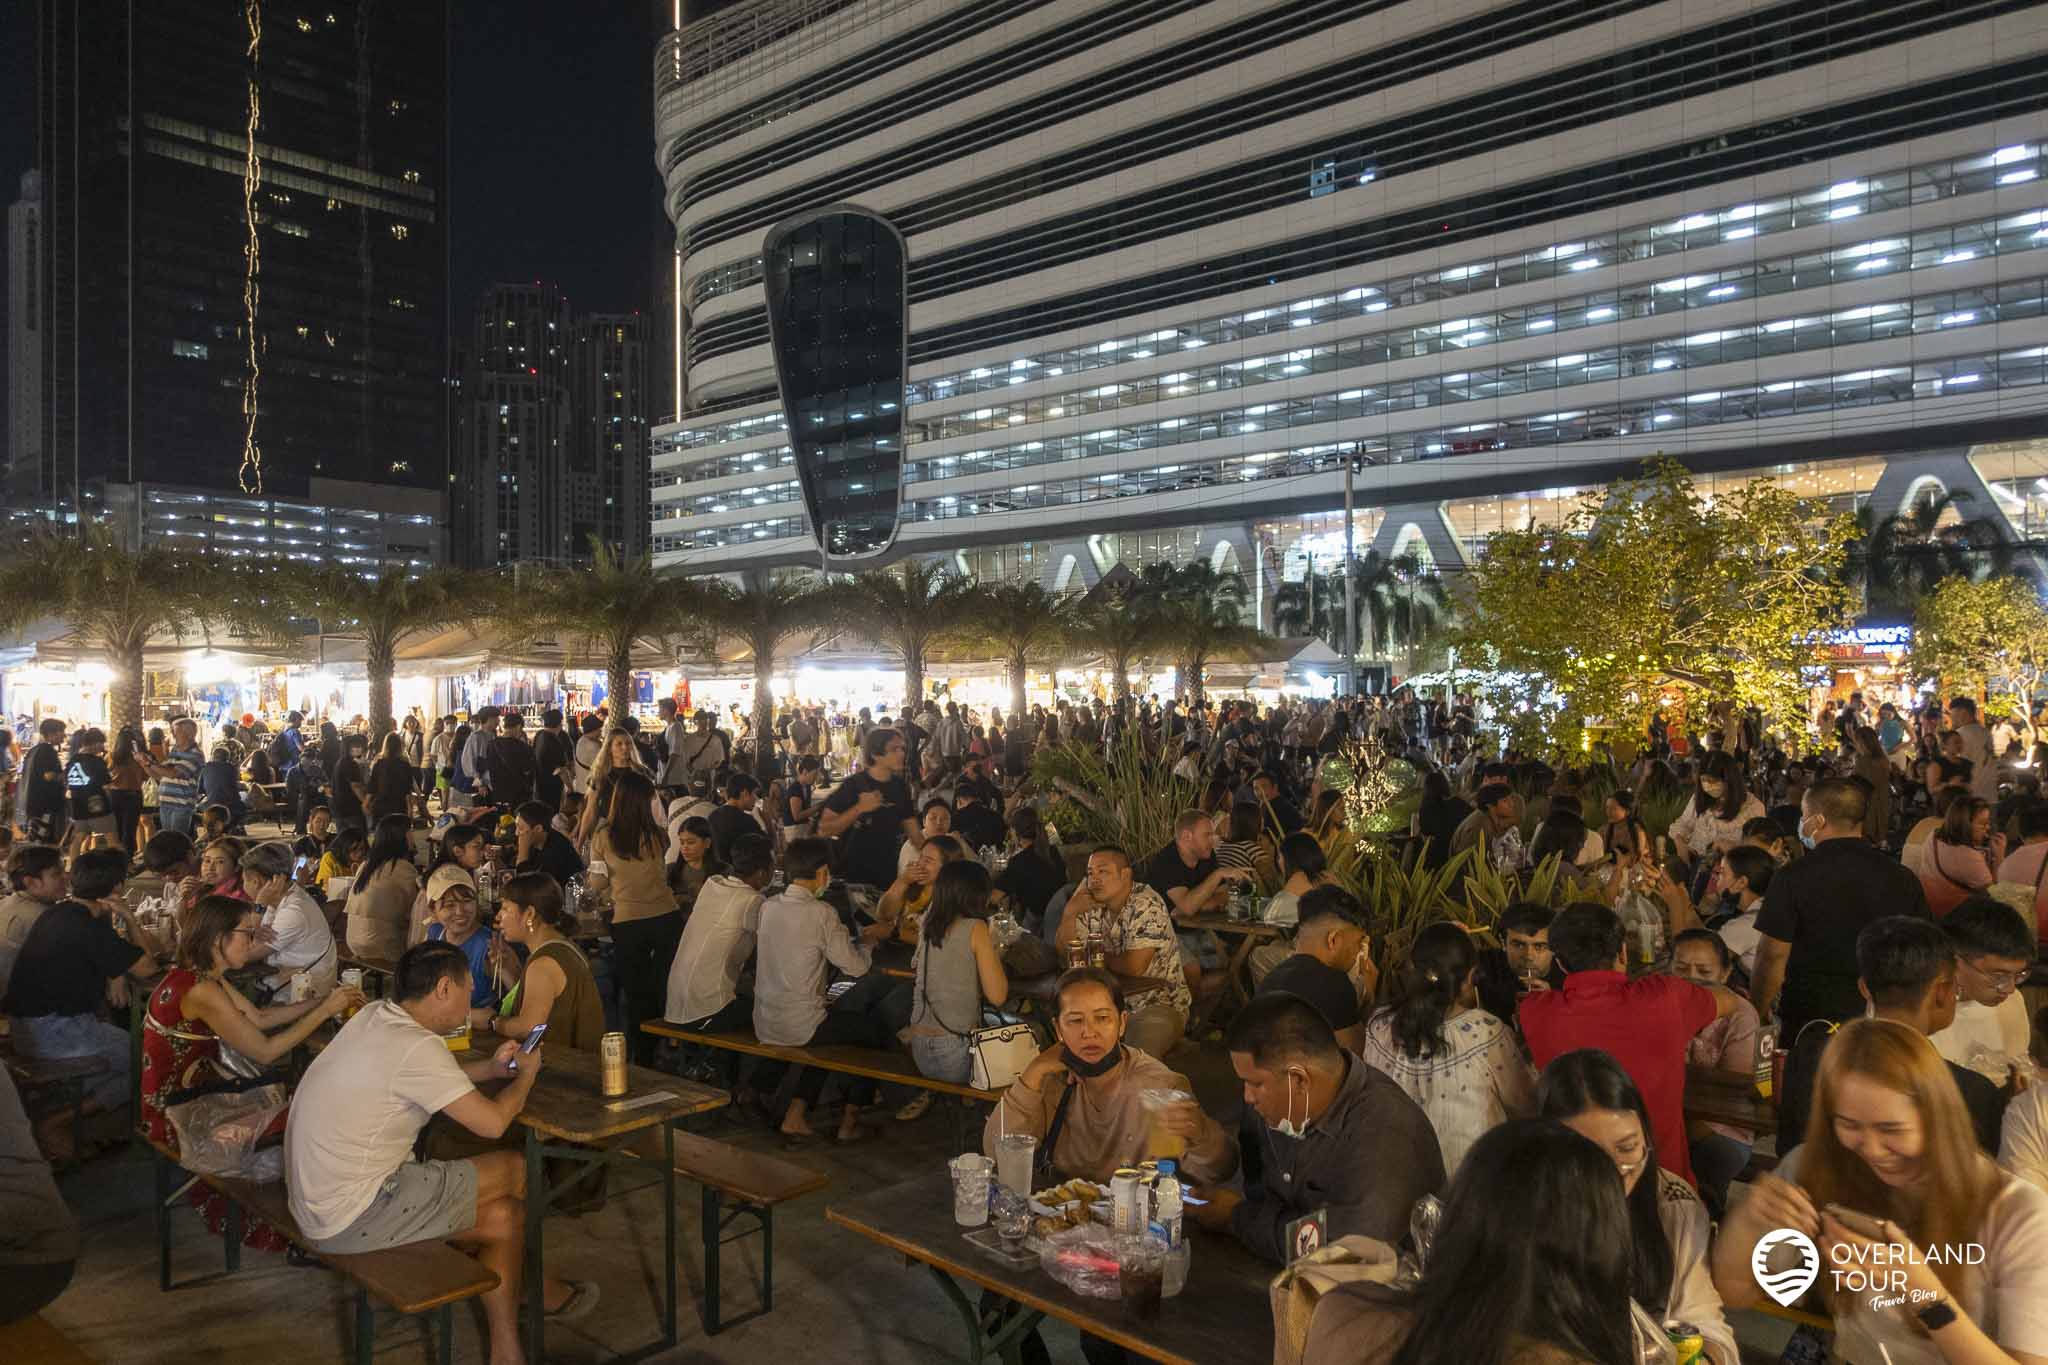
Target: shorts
point(94, 824)
point(421, 1201)
point(1202, 948)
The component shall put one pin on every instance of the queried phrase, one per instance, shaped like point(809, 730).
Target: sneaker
point(915, 1110)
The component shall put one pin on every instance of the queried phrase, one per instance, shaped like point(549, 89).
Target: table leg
point(668, 1206)
point(1238, 961)
point(713, 1225)
point(536, 1283)
point(1006, 1341)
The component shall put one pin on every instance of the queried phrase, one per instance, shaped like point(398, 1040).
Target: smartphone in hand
point(533, 1037)
point(1862, 1224)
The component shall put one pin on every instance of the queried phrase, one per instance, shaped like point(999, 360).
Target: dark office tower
point(192, 276)
point(604, 488)
point(507, 499)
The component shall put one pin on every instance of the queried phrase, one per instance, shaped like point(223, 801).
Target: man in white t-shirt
point(349, 1170)
point(1994, 949)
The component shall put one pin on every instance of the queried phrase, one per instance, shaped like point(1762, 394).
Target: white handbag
point(999, 1054)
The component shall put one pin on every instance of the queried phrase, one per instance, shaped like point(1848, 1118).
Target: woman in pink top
point(1963, 856)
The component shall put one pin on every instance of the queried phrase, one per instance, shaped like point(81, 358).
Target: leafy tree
point(1023, 623)
point(1989, 638)
point(907, 610)
point(386, 610)
point(1897, 560)
point(603, 611)
point(1650, 587)
point(1198, 617)
point(117, 600)
point(765, 616)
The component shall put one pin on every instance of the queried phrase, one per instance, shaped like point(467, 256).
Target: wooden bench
point(754, 1184)
point(419, 1277)
point(33, 1341)
point(67, 1078)
point(871, 1063)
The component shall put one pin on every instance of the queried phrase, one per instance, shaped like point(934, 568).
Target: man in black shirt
point(543, 848)
point(66, 968)
point(1816, 907)
point(351, 786)
point(310, 845)
point(870, 813)
point(1329, 945)
point(551, 757)
point(1186, 873)
point(975, 819)
point(1907, 971)
point(736, 816)
point(509, 767)
point(45, 804)
point(1266, 786)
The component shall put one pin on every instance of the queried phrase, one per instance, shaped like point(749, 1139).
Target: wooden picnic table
point(567, 1106)
point(1250, 933)
point(893, 958)
point(1221, 1316)
point(1714, 1096)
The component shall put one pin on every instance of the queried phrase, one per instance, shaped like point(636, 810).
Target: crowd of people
point(1864, 911)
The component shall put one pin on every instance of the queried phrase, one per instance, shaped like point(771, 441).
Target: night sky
point(551, 146)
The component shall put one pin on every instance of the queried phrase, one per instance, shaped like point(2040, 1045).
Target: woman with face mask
point(1082, 1097)
point(1669, 1275)
point(1953, 1244)
point(1721, 805)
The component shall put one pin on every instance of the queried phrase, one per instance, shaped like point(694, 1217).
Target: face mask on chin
point(1090, 1070)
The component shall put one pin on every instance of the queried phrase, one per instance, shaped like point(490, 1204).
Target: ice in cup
point(971, 1173)
point(1159, 1143)
point(1014, 1153)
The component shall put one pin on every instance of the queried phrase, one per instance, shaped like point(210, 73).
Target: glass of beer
point(1161, 1144)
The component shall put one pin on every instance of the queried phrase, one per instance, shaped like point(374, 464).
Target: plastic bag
point(218, 1133)
point(1084, 1260)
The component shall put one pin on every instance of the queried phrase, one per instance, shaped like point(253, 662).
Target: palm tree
point(604, 611)
point(1115, 623)
point(115, 600)
point(1404, 601)
point(1199, 617)
point(1023, 623)
point(386, 610)
point(764, 616)
point(907, 610)
point(1313, 607)
point(1898, 559)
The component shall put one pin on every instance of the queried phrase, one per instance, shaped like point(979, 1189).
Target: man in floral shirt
point(1140, 940)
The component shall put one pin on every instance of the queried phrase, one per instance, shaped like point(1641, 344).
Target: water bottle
point(486, 888)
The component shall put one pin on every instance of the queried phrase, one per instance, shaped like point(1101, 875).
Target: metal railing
point(711, 56)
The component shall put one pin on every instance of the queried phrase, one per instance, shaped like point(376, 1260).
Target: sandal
point(580, 1303)
point(797, 1142)
point(916, 1109)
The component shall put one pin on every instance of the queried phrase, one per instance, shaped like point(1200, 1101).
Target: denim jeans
point(943, 1057)
point(178, 818)
point(51, 1036)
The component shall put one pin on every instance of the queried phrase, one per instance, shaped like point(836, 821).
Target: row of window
point(2009, 302)
point(1926, 183)
point(1794, 141)
point(1818, 396)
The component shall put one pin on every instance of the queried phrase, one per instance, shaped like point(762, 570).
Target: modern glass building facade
point(1174, 266)
point(192, 275)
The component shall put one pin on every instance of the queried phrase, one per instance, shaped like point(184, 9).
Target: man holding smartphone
point(349, 1167)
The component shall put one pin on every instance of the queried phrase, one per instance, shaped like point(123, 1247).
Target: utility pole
point(1350, 603)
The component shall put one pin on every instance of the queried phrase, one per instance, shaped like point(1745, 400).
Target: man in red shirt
point(1643, 1023)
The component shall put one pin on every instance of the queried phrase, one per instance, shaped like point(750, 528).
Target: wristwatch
point(1936, 1315)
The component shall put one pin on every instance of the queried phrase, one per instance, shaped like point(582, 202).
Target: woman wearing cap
point(457, 920)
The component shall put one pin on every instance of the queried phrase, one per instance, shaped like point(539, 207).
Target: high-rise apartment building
point(198, 279)
point(507, 496)
point(610, 429)
point(23, 472)
point(1174, 267)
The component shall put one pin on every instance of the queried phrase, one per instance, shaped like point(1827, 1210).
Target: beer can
point(1687, 1345)
point(1127, 1213)
point(611, 1051)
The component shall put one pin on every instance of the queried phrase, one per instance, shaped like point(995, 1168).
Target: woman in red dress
point(194, 1010)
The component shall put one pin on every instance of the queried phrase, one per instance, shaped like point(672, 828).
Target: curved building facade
point(1173, 265)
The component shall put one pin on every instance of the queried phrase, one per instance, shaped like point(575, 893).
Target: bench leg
point(165, 1174)
point(668, 1229)
point(231, 1238)
point(366, 1328)
point(766, 1214)
point(444, 1327)
point(713, 1227)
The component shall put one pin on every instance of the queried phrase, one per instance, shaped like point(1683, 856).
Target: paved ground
point(839, 1298)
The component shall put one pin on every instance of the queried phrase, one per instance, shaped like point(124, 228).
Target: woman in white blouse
point(1673, 1280)
point(1461, 1064)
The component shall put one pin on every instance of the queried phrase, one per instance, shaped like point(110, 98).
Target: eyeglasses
point(2003, 981)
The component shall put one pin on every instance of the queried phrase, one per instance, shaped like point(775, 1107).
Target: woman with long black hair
point(1670, 1275)
point(955, 971)
point(1460, 1063)
point(626, 859)
point(1530, 1266)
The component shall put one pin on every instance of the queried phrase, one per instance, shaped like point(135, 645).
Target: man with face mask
point(1816, 907)
point(1082, 1098)
point(1334, 1134)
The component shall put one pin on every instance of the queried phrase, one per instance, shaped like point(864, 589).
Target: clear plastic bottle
point(486, 888)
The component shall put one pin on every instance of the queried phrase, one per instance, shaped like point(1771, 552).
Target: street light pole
point(1350, 604)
